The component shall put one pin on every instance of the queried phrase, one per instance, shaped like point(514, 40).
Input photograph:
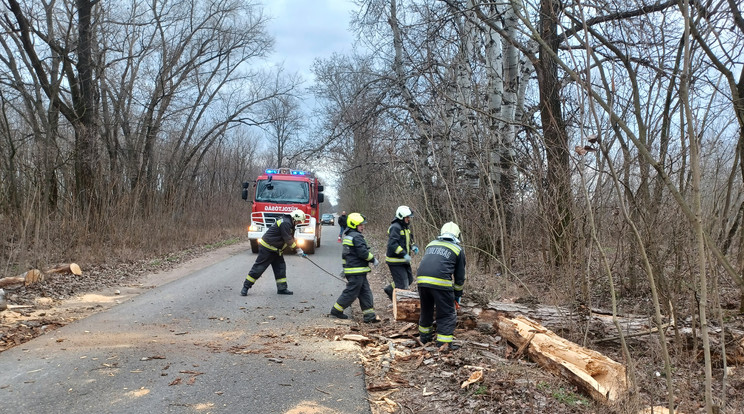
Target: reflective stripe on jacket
point(443, 266)
point(356, 255)
point(400, 240)
point(280, 235)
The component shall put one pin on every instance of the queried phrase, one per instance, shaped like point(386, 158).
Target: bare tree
point(283, 124)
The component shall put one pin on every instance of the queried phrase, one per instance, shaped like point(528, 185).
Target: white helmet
point(403, 212)
point(298, 215)
point(450, 229)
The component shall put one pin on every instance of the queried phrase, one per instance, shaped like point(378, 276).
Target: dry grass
point(123, 236)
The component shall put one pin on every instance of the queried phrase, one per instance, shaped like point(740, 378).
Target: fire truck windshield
point(282, 192)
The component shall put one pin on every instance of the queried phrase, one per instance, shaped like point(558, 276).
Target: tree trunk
point(558, 197)
point(86, 156)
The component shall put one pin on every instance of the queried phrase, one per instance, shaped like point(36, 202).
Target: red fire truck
point(278, 192)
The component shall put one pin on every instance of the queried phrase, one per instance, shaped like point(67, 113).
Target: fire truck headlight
point(307, 230)
point(254, 227)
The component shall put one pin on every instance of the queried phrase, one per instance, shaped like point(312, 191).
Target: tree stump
point(406, 305)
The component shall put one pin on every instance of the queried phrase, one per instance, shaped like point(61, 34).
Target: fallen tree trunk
point(602, 328)
point(406, 305)
point(599, 376)
point(30, 277)
point(559, 318)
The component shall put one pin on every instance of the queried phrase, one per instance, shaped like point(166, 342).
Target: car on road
point(328, 219)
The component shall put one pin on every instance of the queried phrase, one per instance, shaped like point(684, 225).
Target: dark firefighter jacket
point(443, 259)
point(400, 240)
point(280, 235)
point(356, 255)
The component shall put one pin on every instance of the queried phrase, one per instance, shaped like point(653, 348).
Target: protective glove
point(415, 249)
point(301, 253)
point(375, 262)
point(407, 258)
point(458, 296)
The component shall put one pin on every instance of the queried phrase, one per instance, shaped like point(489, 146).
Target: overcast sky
point(304, 30)
point(308, 29)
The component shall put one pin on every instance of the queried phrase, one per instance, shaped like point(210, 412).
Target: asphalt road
point(195, 345)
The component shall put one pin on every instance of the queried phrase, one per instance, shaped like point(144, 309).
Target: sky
point(304, 30)
point(307, 29)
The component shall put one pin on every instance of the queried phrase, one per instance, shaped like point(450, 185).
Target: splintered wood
point(599, 376)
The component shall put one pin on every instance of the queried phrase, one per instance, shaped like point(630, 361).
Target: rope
point(327, 272)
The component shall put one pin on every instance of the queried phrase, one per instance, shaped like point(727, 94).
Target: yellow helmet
point(354, 220)
point(450, 229)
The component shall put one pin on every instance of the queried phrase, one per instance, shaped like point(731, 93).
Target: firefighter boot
point(246, 285)
point(284, 291)
point(371, 318)
point(447, 346)
point(338, 314)
point(425, 338)
point(389, 291)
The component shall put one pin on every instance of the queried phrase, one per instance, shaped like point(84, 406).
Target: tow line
point(327, 272)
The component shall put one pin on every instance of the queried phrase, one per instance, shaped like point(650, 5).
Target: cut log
point(406, 305)
point(33, 276)
point(597, 375)
point(15, 281)
point(72, 268)
point(28, 278)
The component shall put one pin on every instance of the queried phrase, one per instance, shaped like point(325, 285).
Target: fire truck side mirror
point(321, 197)
point(320, 188)
point(244, 195)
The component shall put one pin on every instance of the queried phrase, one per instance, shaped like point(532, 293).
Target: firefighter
point(356, 258)
point(399, 249)
point(277, 238)
point(342, 224)
point(440, 278)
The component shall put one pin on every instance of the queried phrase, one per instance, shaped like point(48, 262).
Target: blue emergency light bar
point(284, 171)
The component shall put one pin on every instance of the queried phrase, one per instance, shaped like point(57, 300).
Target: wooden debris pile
point(393, 354)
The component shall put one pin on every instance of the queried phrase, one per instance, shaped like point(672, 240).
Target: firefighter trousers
point(444, 301)
point(265, 259)
point(402, 276)
point(357, 287)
